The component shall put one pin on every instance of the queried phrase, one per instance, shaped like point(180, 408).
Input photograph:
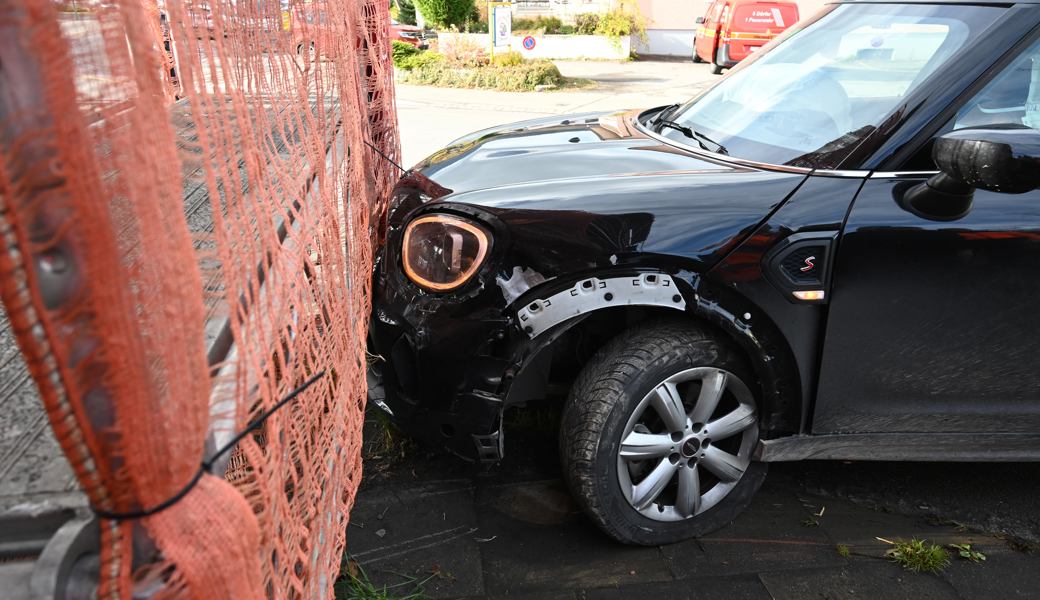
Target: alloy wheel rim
point(687, 444)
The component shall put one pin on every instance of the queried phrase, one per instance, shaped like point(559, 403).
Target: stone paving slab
point(867, 579)
point(1005, 575)
point(423, 530)
point(542, 542)
point(770, 535)
point(998, 497)
point(514, 532)
point(737, 587)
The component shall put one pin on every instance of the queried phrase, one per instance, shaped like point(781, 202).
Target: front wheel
point(658, 433)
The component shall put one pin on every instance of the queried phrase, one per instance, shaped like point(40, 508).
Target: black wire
point(387, 158)
point(208, 463)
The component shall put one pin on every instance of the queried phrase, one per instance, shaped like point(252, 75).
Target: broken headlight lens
point(442, 252)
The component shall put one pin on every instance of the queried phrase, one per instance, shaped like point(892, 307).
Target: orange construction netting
point(188, 195)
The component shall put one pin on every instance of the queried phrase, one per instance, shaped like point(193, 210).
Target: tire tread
point(595, 394)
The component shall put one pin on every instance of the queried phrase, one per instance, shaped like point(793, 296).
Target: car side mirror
point(1004, 159)
point(699, 20)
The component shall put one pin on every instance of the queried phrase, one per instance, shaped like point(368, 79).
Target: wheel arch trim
point(766, 351)
point(539, 315)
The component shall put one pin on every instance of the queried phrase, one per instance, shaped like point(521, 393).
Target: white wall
point(552, 46)
point(667, 42)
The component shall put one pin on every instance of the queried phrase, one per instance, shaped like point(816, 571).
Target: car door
point(708, 30)
point(933, 325)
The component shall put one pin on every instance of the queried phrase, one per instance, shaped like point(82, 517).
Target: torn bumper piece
point(440, 394)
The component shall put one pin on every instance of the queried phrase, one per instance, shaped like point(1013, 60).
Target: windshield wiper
point(697, 136)
point(665, 111)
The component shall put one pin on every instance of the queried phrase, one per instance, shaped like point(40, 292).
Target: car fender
point(547, 312)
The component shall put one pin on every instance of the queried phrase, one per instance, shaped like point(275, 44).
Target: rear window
point(764, 17)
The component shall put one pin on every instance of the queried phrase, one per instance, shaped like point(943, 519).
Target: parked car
point(409, 34)
point(830, 254)
point(731, 30)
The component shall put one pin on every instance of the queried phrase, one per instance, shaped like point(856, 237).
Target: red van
point(732, 29)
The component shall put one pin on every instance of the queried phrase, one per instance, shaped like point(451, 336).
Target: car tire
point(603, 409)
point(696, 58)
point(716, 64)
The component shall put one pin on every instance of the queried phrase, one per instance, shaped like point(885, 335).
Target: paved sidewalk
point(516, 533)
point(432, 117)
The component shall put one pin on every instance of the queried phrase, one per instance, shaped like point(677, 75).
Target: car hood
point(585, 191)
point(553, 148)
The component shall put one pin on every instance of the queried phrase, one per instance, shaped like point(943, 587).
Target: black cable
point(207, 464)
point(385, 157)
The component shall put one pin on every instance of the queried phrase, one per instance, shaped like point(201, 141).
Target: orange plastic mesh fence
point(187, 204)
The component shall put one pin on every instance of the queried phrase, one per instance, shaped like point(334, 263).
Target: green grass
point(843, 550)
point(918, 555)
point(354, 584)
point(966, 552)
point(386, 444)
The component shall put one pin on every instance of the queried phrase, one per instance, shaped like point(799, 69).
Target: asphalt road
point(430, 118)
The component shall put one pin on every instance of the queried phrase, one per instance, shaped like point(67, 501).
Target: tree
point(446, 12)
point(405, 12)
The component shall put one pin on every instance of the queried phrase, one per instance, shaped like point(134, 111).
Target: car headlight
point(442, 252)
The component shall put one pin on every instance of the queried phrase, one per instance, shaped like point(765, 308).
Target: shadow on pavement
point(512, 530)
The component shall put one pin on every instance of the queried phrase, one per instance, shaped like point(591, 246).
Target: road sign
point(503, 25)
point(529, 43)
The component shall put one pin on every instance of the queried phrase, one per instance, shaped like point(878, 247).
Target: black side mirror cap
point(1002, 159)
point(699, 20)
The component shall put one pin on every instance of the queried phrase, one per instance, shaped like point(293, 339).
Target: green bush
point(568, 30)
point(546, 25)
point(621, 22)
point(446, 13)
point(477, 26)
point(401, 51)
point(521, 77)
point(524, 25)
point(586, 24)
point(508, 59)
point(551, 25)
point(421, 60)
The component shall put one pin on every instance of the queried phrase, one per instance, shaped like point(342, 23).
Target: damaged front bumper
point(441, 381)
point(446, 376)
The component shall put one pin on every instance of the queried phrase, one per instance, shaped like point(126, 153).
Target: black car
point(833, 253)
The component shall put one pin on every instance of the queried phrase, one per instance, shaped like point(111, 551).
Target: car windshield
point(812, 99)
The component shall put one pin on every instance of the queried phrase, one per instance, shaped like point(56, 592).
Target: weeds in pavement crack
point(918, 555)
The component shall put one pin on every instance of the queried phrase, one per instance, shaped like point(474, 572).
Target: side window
point(1011, 99)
